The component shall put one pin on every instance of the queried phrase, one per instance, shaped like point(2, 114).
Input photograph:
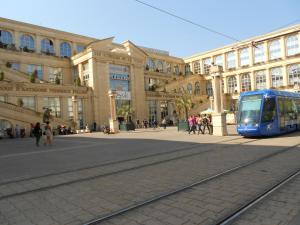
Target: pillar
point(266, 51)
point(75, 112)
point(237, 59)
point(113, 123)
point(252, 79)
point(218, 117)
point(268, 79)
point(17, 39)
point(238, 83)
point(251, 56)
point(57, 47)
point(38, 40)
point(282, 47)
point(224, 62)
point(285, 76)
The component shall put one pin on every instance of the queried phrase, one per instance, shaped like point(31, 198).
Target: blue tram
point(268, 112)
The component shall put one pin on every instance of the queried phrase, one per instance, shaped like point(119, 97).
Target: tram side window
point(268, 114)
point(290, 110)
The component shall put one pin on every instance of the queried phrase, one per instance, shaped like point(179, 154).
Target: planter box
point(182, 126)
point(127, 126)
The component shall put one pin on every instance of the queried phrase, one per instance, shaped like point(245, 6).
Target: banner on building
point(123, 95)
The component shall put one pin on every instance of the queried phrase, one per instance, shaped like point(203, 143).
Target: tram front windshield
point(249, 110)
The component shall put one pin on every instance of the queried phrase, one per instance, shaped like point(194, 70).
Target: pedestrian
point(164, 123)
point(210, 125)
point(205, 124)
point(199, 123)
point(37, 132)
point(17, 131)
point(48, 134)
point(192, 124)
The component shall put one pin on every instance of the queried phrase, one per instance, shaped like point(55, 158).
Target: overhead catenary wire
point(188, 21)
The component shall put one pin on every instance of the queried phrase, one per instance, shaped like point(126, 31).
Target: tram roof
point(271, 92)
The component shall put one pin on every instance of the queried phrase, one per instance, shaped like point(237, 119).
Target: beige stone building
point(74, 74)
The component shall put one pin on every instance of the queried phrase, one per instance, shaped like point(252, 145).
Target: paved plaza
point(88, 176)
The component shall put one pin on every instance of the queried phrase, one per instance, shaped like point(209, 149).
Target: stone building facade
point(73, 74)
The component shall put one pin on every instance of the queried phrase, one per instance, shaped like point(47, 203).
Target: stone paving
point(196, 157)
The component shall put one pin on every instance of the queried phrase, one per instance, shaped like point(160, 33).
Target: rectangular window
point(32, 67)
point(292, 45)
point(206, 65)
point(29, 102)
point(218, 60)
point(230, 60)
point(54, 105)
point(277, 78)
point(70, 108)
point(268, 113)
point(274, 50)
point(55, 73)
point(259, 55)
point(244, 57)
point(86, 72)
point(15, 66)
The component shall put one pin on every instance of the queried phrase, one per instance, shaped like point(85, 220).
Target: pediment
point(103, 44)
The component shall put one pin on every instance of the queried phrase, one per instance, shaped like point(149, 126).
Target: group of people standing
point(200, 123)
point(47, 134)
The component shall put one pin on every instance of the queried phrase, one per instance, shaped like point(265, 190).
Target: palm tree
point(125, 111)
point(184, 104)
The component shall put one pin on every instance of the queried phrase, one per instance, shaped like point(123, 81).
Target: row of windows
point(47, 46)
point(160, 66)
point(274, 50)
point(54, 73)
point(260, 79)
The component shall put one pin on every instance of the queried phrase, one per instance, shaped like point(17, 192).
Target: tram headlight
point(256, 125)
point(246, 120)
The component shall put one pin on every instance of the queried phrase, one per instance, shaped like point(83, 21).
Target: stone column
point(113, 123)
point(218, 117)
point(57, 47)
point(17, 39)
point(75, 112)
point(282, 47)
point(38, 40)
point(237, 59)
point(268, 79)
point(251, 56)
point(225, 85)
point(224, 62)
point(238, 83)
point(266, 52)
point(285, 76)
point(252, 79)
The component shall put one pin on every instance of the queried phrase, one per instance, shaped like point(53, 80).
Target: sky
point(129, 20)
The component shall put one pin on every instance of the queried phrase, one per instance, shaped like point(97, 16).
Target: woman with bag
point(48, 134)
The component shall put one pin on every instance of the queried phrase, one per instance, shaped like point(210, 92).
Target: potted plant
point(183, 105)
point(57, 80)
point(33, 76)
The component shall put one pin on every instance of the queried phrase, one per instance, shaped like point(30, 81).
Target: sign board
point(123, 95)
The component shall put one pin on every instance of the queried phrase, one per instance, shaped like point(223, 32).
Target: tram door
point(280, 102)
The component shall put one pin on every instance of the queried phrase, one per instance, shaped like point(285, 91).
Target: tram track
point(89, 178)
point(146, 202)
point(231, 217)
point(192, 146)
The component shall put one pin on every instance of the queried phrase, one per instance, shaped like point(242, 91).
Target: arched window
point(27, 42)
point(209, 89)
point(190, 88)
point(292, 45)
point(176, 69)
point(6, 37)
point(277, 78)
point(197, 67)
point(274, 49)
point(169, 68)
point(160, 66)
point(232, 84)
point(260, 79)
point(65, 49)
point(187, 69)
point(245, 82)
point(294, 74)
point(197, 88)
point(150, 64)
point(47, 46)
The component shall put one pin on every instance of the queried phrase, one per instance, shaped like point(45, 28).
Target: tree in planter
point(8, 64)
point(77, 81)
point(1, 76)
point(57, 78)
point(125, 111)
point(20, 102)
point(33, 76)
point(184, 104)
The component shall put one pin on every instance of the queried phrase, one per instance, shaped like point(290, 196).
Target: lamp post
point(113, 123)
point(218, 117)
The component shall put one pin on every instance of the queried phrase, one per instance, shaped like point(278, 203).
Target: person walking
point(48, 134)
point(164, 123)
point(199, 123)
point(37, 132)
point(192, 124)
point(17, 131)
point(205, 124)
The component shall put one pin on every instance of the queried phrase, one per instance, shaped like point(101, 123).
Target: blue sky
point(128, 20)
